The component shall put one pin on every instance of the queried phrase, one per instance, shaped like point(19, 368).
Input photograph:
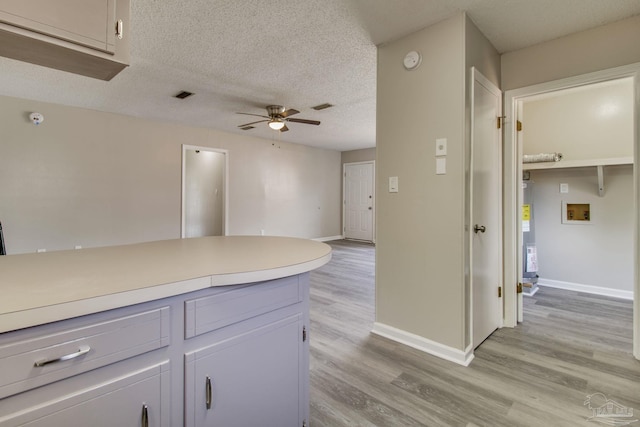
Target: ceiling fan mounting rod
point(275, 110)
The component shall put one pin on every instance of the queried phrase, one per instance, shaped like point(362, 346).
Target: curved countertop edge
point(46, 314)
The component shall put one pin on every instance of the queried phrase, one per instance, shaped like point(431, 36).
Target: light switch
point(441, 147)
point(393, 184)
point(564, 188)
point(441, 165)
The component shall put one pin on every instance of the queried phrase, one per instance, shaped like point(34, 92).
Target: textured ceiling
point(241, 55)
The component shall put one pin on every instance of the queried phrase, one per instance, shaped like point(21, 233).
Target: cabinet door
point(89, 23)
point(135, 399)
point(252, 379)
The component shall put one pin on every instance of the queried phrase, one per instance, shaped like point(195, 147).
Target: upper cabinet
point(87, 37)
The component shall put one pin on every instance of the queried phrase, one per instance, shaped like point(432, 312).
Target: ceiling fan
point(277, 117)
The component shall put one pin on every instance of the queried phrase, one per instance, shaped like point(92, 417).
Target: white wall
point(599, 48)
point(594, 122)
point(421, 238)
point(598, 254)
point(94, 179)
point(363, 155)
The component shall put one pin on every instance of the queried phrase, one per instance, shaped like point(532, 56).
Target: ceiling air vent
point(183, 94)
point(322, 107)
point(247, 127)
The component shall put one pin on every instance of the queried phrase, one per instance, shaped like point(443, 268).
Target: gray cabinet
point(223, 356)
point(137, 398)
point(251, 379)
point(88, 37)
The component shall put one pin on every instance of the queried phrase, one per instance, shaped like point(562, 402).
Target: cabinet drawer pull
point(208, 393)
point(84, 349)
point(145, 416)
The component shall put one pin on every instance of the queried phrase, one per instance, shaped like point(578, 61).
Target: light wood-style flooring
point(540, 373)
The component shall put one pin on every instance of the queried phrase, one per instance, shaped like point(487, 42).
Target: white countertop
point(51, 286)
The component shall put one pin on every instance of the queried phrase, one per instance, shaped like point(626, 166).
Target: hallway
point(570, 346)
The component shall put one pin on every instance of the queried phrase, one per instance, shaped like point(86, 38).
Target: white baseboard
point(327, 239)
point(598, 290)
point(423, 344)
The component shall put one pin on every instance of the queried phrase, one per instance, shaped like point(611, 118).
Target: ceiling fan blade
point(289, 112)
point(253, 123)
point(305, 121)
point(284, 128)
point(257, 115)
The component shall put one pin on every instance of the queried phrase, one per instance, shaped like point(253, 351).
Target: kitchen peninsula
point(194, 332)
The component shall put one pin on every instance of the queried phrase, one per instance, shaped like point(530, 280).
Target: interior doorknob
point(480, 228)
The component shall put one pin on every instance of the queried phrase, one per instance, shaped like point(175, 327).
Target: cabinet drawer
point(238, 303)
point(33, 362)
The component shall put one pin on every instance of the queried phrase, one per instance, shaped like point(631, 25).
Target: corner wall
point(419, 271)
point(421, 298)
point(90, 178)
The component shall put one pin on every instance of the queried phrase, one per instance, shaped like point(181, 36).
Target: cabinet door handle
point(119, 29)
point(145, 416)
point(208, 398)
point(84, 349)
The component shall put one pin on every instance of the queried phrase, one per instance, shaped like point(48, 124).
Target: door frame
point(225, 178)
point(512, 170)
point(478, 77)
point(373, 197)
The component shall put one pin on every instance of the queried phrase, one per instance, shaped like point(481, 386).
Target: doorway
point(359, 201)
point(204, 191)
point(513, 154)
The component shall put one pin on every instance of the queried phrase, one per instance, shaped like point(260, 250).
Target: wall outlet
point(262, 232)
point(41, 250)
point(77, 247)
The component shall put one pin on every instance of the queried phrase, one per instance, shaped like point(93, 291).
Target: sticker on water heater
point(532, 259)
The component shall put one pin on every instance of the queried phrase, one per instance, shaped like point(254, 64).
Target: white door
point(358, 201)
point(486, 209)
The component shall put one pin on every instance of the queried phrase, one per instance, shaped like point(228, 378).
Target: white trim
point(373, 198)
point(328, 239)
point(225, 210)
point(512, 168)
point(442, 351)
point(589, 289)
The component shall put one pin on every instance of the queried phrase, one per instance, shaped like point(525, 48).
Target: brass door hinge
point(518, 125)
point(499, 122)
point(499, 291)
point(519, 288)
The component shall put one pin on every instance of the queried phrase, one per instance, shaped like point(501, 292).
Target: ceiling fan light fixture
point(276, 124)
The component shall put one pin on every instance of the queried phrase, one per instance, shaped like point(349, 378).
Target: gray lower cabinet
point(222, 356)
point(138, 398)
point(252, 379)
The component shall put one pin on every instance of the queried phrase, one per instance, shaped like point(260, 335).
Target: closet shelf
point(579, 163)
point(599, 164)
